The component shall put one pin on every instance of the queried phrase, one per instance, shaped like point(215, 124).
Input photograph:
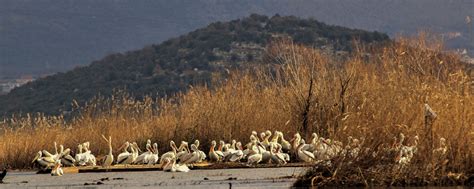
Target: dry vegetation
point(375, 96)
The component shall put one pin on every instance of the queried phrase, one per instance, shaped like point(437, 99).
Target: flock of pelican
point(264, 148)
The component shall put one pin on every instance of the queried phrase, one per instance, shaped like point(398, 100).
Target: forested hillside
point(173, 65)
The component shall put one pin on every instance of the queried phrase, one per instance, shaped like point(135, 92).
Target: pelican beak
point(36, 158)
point(136, 146)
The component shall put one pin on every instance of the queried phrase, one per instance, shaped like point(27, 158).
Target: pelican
point(275, 137)
point(80, 157)
point(219, 151)
point(85, 158)
point(65, 156)
point(213, 156)
point(169, 164)
point(182, 150)
point(314, 142)
point(125, 156)
point(276, 156)
point(303, 154)
point(152, 158)
point(135, 149)
point(57, 170)
point(286, 146)
point(238, 154)
point(109, 158)
point(266, 142)
point(141, 158)
point(321, 149)
point(89, 157)
point(248, 151)
point(263, 136)
point(192, 157)
point(296, 142)
point(255, 135)
point(256, 157)
point(44, 162)
point(202, 154)
point(171, 154)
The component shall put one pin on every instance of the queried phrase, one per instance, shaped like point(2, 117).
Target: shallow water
point(206, 179)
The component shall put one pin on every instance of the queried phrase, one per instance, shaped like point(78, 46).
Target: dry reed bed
point(375, 96)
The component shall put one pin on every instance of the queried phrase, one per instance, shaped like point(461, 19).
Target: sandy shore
point(218, 178)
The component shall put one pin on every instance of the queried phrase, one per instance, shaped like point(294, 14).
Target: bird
point(171, 154)
point(286, 146)
point(65, 156)
point(276, 156)
point(109, 158)
point(152, 158)
point(304, 155)
point(237, 154)
point(141, 158)
point(125, 156)
point(213, 156)
point(43, 162)
point(202, 154)
point(169, 164)
point(57, 170)
point(192, 157)
point(256, 156)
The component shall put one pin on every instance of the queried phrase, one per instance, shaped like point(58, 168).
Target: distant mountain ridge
point(47, 36)
point(179, 62)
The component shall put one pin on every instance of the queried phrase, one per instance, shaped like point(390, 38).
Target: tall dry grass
point(375, 94)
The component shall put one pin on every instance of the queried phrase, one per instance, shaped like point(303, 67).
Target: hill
point(173, 65)
point(47, 36)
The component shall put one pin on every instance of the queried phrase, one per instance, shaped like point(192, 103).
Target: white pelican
point(169, 164)
point(171, 154)
point(152, 158)
point(286, 146)
point(263, 136)
point(135, 149)
point(182, 150)
point(80, 156)
point(125, 156)
point(248, 150)
point(236, 155)
point(255, 135)
point(109, 158)
point(314, 142)
point(219, 151)
point(256, 156)
point(202, 154)
point(192, 157)
point(213, 156)
point(44, 162)
point(65, 156)
point(141, 158)
point(88, 157)
point(296, 142)
point(304, 155)
point(85, 158)
point(57, 170)
point(276, 157)
point(321, 149)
